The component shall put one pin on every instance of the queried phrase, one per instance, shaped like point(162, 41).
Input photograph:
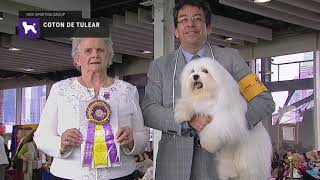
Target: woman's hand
point(70, 138)
point(124, 136)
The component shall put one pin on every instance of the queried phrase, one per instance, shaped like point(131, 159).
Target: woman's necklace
point(96, 92)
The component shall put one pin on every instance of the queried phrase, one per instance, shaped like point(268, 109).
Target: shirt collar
point(188, 56)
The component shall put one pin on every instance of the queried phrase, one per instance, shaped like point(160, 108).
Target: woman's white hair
point(75, 50)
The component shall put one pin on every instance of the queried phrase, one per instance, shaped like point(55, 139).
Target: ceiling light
point(146, 52)
point(28, 69)
point(261, 1)
point(14, 49)
point(1, 16)
point(146, 3)
point(266, 72)
point(228, 39)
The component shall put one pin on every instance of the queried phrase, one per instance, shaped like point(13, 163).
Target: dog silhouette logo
point(29, 28)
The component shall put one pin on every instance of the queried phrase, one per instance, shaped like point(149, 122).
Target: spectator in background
point(148, 164)
point(3, 156)
point(30, 156)
point(144, 161)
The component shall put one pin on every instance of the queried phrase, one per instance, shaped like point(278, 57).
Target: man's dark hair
point(202, 4)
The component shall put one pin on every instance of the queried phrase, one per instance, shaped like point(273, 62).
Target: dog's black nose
point(195, 77)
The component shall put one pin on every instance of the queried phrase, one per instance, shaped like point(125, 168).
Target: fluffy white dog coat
point(209, 89)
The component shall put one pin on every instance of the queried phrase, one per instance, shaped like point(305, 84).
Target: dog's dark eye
point(192, 71)
point(204, 70)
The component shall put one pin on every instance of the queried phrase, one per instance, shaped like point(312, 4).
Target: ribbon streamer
point(100, 148)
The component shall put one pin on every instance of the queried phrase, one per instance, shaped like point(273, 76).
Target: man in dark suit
point(180, 157)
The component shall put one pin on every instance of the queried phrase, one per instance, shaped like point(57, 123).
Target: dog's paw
point(226, 169)
point(209, 139)
point(182, 112)
point(180, 116)
point(226, 175)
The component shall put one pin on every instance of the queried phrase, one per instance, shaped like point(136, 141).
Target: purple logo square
point(29, 28)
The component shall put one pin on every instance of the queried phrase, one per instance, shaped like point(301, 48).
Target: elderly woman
point(92, 125)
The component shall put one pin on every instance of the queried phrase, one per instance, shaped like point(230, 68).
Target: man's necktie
point(195, 57)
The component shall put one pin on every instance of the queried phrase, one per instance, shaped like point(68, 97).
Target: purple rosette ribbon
point(98, 113)
point(112, 148)
point(88, 151)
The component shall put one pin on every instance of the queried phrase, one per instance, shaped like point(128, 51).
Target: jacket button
point(191, 134)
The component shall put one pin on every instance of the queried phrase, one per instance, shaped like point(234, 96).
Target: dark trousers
point(2, 170)
point(36, 174)
point(57, 178)
point(129, 177)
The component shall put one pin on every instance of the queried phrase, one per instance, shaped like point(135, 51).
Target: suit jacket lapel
point(180, 65)
point(208, 52)
point(216, 55)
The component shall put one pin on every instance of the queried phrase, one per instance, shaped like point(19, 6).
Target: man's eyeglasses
point(195, 19)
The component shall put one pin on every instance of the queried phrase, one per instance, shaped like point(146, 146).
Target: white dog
point(208, 89)
point(28, 27)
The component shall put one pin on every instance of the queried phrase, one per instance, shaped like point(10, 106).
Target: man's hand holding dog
point(199, 122)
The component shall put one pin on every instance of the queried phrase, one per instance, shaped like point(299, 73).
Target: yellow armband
point(251, 86)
